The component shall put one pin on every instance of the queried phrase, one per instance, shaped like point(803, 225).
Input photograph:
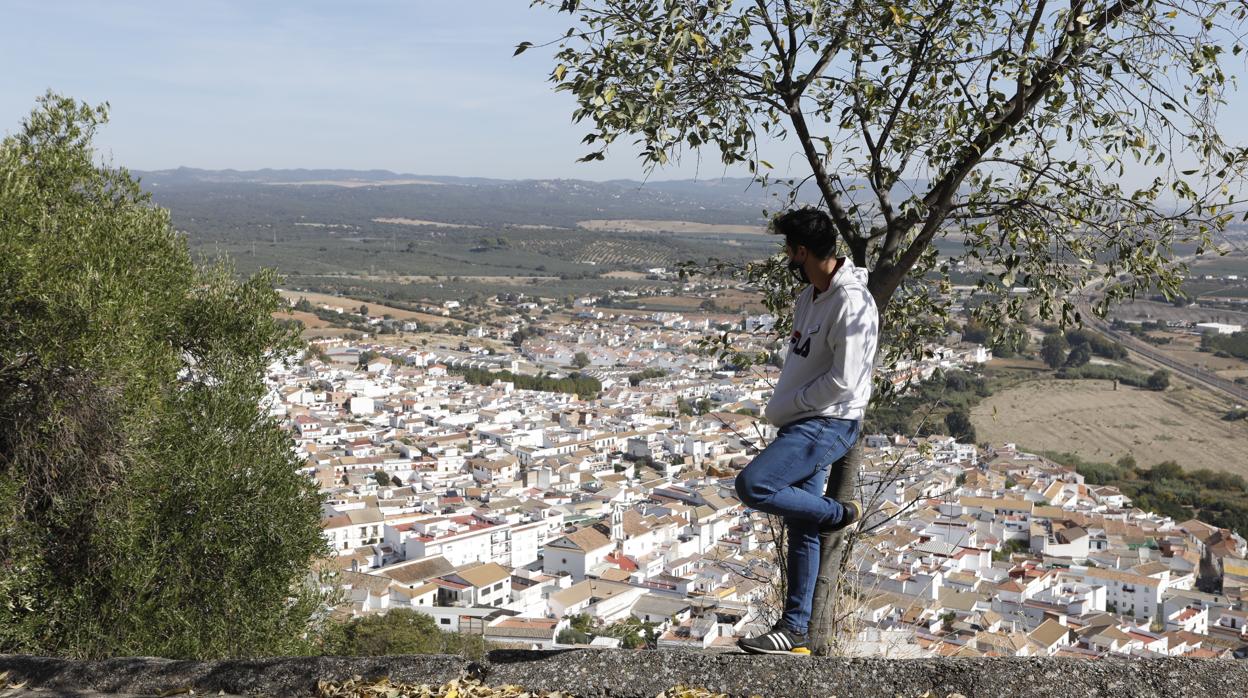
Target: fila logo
point(802, 348)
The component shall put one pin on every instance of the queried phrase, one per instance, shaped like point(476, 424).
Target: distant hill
point(192, 176)
point(376, 222)
point(346, 196)
point(476, 201)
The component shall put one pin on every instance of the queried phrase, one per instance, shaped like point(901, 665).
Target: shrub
point(399, 631)
point(148, 505)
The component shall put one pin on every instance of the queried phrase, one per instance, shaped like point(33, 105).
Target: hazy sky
point(419, 86)
point(422, 86)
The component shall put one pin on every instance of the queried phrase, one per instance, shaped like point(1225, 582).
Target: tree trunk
point(841, 481)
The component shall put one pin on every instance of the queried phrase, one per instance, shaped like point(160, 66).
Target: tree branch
point(834, 45)
point(839, 215)
point(791, 24)
point(939, 197)
point(875, 174)
point(781, 52)
point(911, 77)
point(1026, 48)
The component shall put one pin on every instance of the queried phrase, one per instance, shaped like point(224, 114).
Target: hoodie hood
point(848, 276)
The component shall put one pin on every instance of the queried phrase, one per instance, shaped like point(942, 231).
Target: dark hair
point(807, 226)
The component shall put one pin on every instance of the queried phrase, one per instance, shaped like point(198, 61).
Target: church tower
point(617, 524)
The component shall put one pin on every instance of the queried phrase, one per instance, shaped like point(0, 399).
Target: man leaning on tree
point(818, 406)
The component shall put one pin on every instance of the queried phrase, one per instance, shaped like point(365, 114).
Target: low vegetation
point(1157, 380)
point(582, 386)
point(1230, 344)
point(1076, 347)
point(399, 631)
point(631, 632)
point(938, 405)
point(635, 379)
point(1217, 498)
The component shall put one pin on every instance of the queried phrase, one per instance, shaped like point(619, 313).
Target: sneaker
point(852, 515)
point(780, 640)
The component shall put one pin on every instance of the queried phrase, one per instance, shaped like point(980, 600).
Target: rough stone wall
point(637, 674)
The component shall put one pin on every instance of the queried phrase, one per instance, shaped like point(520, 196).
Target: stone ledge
point(645, 674)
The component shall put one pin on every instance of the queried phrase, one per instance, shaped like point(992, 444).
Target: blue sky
point(419, 86)
point(425, 86)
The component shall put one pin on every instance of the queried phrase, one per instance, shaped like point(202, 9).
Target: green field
point(1234, 263)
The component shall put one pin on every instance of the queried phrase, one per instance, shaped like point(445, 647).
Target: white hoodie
point(827, 371)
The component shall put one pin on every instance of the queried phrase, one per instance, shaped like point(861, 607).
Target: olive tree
point(1053, 144)
point(149, 505)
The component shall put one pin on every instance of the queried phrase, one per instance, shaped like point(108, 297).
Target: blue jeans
point(787, 479)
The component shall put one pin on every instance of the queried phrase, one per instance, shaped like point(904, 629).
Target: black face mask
point(798, 272)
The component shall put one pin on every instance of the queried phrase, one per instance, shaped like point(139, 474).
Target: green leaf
point(522, 47)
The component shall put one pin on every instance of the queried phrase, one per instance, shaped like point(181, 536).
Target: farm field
point(460, 287)
point(347, 303)
point(527, 253)
point(653, 226)
point(419, 279)
point(313, 326)
point(1150, 310)
point(1184, 347)
point(1091, 419)
point(1018, 363)
point(310, 321)
point(355, 183)
point(1233, 263)
point(418, 222)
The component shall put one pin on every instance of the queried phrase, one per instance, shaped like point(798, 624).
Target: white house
point(605, 601)
point(460, 539)
point(485, 584)
point(1217, 328)
point(576, 553)
point(1128, 593)
point(1192, 619)
point(532, 633)
point(1071, 542)
point(1051, 636)
point(350, 529)
point(369, 593)
point(494, 470)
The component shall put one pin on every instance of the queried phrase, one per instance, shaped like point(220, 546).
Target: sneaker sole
point(800, 651)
